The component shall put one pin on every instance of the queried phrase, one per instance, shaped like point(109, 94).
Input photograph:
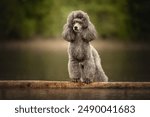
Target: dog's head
point(78, 20)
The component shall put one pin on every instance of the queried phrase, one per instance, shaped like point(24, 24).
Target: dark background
point(119, 19)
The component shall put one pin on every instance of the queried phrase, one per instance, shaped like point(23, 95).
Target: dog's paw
point(76, 80)
point(87, 81)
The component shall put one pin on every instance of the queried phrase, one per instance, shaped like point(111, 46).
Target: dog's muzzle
point(77, 27)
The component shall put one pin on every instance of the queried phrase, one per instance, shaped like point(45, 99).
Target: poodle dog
point(84, 62)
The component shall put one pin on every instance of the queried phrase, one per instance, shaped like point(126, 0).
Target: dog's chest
point(79, 50)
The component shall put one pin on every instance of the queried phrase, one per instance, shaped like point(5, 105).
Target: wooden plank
point(71, 85)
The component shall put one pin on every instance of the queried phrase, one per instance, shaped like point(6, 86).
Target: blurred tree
point(113, 18)
point(24, 18)
point(139, 13)
point(109, 17)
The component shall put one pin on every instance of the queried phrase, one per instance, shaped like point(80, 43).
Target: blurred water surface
point(119, 65)
point(75, 94)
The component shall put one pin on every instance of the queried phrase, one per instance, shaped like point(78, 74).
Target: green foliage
point(109, 17)
point(24, 18)
point(139, 13)
point(112, 18)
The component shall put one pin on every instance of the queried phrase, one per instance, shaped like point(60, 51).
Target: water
point(75, 94)
point(119, 65)
point(32, 65)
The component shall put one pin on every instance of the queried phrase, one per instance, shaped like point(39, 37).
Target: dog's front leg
point(74, 70)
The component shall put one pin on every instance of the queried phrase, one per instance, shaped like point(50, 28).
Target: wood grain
point(71, 85)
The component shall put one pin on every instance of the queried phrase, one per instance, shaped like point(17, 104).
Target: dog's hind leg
point(99, 74)
point(88, 71)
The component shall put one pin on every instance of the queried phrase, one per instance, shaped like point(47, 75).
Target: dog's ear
point(68, 33)
point(70, 19)
point(85, 20)
point(89, 33)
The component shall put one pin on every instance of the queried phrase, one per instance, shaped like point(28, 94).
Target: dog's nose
point(75, 27)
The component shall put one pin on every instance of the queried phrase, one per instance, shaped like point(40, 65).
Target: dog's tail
point(99, 74)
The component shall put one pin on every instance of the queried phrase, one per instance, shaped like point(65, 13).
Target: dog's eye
point(80, 23)
point(74, 22)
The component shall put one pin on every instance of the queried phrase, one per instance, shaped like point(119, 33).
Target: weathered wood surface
point(71, 85)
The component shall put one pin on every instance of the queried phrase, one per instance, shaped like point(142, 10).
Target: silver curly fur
point(84, 62)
